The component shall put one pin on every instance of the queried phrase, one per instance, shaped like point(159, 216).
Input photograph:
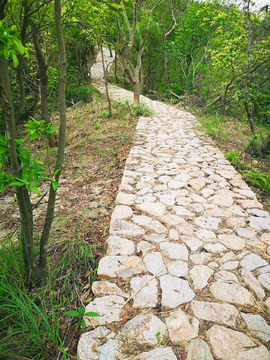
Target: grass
point(33, 323)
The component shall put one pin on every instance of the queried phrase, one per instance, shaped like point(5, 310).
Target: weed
point(158, 338)
point(80, 312)
point(258, 179)
point(234, 158)
point(104, 114)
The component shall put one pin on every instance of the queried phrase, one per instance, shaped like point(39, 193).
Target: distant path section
point(186, 274)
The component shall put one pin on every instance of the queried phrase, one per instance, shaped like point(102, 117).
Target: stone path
point(188, 228)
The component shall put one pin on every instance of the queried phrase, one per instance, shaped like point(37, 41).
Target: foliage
point(234, 158)
point(258, 179)
point(9, 43)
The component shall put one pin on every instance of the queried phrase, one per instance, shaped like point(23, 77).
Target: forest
point(210, 58)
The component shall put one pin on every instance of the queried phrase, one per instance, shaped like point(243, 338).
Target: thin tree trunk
point(62, 135)
point(25, 206)
point(43, 86)
point(105, 77)
point(246, 93)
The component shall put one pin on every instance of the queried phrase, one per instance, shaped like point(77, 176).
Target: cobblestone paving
point(190, 243)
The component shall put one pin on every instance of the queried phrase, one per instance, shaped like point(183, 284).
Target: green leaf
point(83, 324)
point(71, 313)
point(80, 311)
point(3, 150)
point(17, 183)
point(92, 314)
point(54, 185)
point(35, 189)
point(15, 60)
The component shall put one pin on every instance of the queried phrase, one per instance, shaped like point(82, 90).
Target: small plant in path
point(81, 312)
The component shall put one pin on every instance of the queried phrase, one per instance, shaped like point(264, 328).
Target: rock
point(232, 293)
point(222, 200)
point(101, 288)
point(235, 222)
point(228, 344)
point(122, 212)
point(232, 241)
point(253, 261)
point(178, 268)
point(258, 213)
point(249, 204)
point(142, 220)
point(175, 291)
point(154, 263)
point(153, 209)
point(200, 275)
point(176, 184)
point(144, 247)
point(206, 192)
point(215, 248)
point(257, 353)
point(172, 220)
point(226, 257)
point(197, 184)
point(198, 350)
point(157, 227)
point(267, 304)
point(246, 232)
point(143, 329)
point(174, 251)
point(215, 312)
point(207, 223)
point(180, 329)
point(147, 296)
point(156, 238)
point(226, 276)
point(173, 234)
point(230, 265)
point(206, 235)
point(182, 200)
point(258, 326)
point(167, 199)
point(182, 177)
point(122, 266)
point(165, 179)
point(266, 238)
point(145, 199)
point(119, 246)
point(199, 259)
point(89, 345)
point(259, 223)
point(157, 354)
point(125, 199)
point(108, 307)
point(125, 228)
point(237, 210)
point(192, 242)
point(182, 211)
point(264, 279)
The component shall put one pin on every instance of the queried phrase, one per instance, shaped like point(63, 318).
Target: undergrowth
point(32, 321)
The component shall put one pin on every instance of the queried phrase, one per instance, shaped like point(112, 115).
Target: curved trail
point(190, 240)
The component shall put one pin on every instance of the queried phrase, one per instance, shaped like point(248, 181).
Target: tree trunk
point(105, 77)
point(166, 67)
point(246, 93)
point(62, 135)
point(25, 206)
point(136, 91)
point(43, 86)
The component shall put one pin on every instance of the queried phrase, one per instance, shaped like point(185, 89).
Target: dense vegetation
point(212, 58)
